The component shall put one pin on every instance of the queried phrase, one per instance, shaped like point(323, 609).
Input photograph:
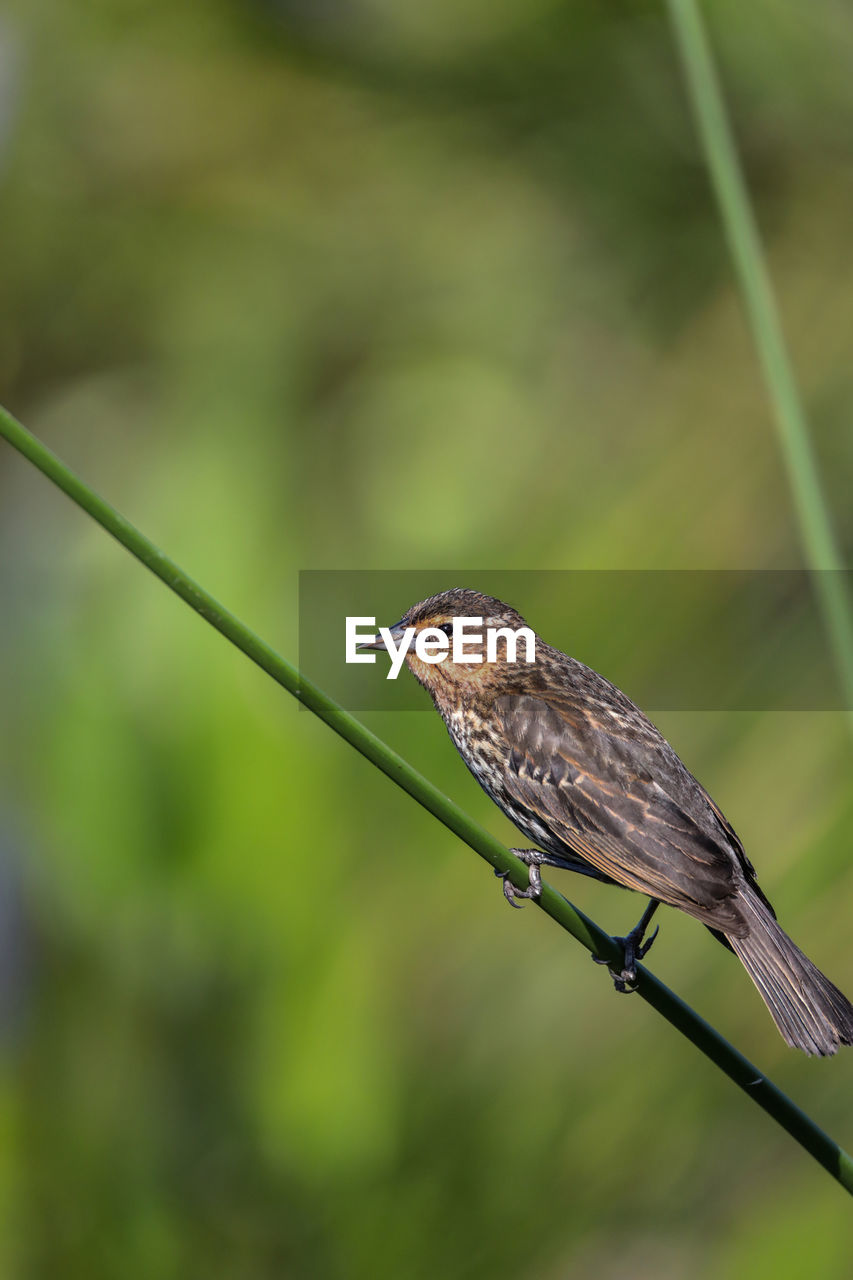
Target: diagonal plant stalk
point(821, 551)
point(739, 1069)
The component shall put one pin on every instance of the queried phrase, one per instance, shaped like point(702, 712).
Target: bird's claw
point(625, 980)
point(511, 894)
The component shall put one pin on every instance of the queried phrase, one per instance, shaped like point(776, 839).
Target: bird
point(587, 777)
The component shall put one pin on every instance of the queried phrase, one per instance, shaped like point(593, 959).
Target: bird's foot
point(533, 890)
point(633, 950)
point(532, 859)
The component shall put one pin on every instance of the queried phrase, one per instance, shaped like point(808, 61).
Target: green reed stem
point(712, 1044)
point(819, 545)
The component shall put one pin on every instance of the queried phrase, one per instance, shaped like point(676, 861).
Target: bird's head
point(494, 638)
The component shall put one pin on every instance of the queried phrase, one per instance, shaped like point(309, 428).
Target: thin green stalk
point(712, 1044)
point(820, 548)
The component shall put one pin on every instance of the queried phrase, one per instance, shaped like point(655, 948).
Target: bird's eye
point(446, 627)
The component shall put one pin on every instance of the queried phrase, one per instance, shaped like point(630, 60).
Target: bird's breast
point(482, 746)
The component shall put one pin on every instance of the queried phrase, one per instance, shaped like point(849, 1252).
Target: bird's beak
point(397, 632)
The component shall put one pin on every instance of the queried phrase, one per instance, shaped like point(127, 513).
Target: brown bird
point(586, 776)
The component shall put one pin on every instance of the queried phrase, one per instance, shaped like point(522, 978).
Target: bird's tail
point(811, 1013)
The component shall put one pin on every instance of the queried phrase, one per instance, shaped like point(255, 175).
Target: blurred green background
point(374, 284)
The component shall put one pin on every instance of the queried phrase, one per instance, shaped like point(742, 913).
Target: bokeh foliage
point(359, 284)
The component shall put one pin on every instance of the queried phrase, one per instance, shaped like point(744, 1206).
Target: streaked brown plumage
point(583, 773)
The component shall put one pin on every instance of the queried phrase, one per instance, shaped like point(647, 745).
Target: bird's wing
point(611, 787)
